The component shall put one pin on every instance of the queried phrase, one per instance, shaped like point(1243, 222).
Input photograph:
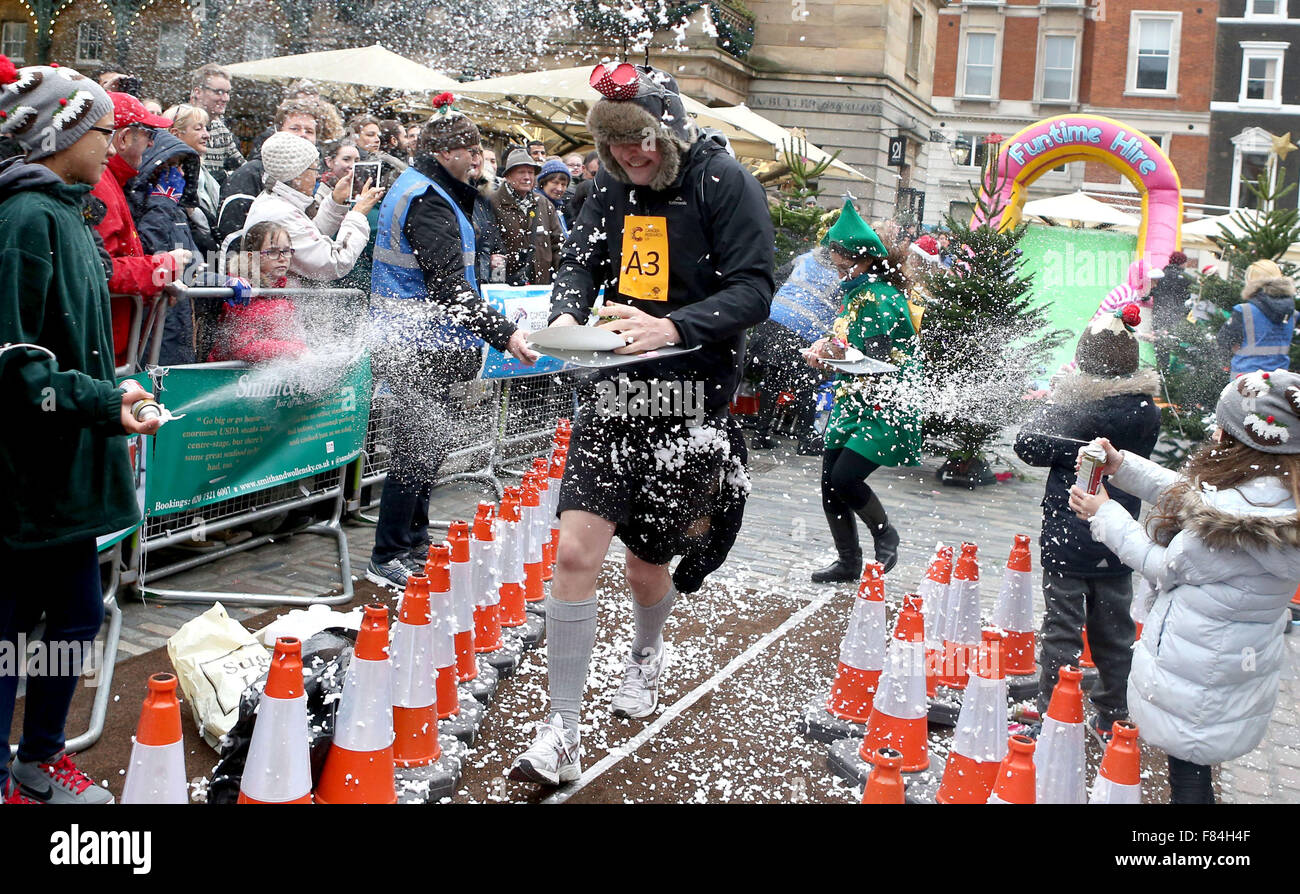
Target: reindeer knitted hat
point(47, 108)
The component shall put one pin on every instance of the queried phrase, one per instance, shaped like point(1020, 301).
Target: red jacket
point(264, 329)
point(133, 270)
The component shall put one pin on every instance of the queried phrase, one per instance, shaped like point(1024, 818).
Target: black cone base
point(464, 724)
point(820, 725)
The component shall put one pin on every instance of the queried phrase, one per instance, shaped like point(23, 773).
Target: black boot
point(848, 567)
point(810, 442)
point(762, 439)
point(883, 533)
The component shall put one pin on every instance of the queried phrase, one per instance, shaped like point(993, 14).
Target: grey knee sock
point(648, 621)
point(570, 638)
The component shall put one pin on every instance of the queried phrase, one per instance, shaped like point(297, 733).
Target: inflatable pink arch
point(1054, 141)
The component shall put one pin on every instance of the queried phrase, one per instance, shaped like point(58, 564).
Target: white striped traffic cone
point(980, 741)
point(415, 700)
point(1119, 781)
point(934, 598)
point(278, 767)
point(1015, 777)
point(534, 591)
point(156, 774)
point(1014, 613)
point(457, 717)
point(961, 638)
point(529, 627)
point(1058, 759)
point(862, 657)
point(359, 768)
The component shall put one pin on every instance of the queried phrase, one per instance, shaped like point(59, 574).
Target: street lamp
point(960, 151)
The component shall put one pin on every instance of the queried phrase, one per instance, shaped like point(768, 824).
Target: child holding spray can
point(1105, 396)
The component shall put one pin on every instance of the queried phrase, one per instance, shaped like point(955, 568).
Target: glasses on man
point(217, 92)
point(108, 132)
point(278, 254)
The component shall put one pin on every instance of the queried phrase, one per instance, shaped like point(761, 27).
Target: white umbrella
point(1078, 210)
point(1211, 226)
point(374, 67)
point(558, 100)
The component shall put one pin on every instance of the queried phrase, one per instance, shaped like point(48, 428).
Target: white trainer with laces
point(554, 756)
point(639, 694)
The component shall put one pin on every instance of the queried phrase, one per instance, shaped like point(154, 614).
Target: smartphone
point(364, 172)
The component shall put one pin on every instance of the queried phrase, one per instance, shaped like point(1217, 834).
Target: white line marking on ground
point(629, 748)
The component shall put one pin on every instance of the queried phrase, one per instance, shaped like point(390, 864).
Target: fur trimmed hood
point(1078, 387)
point(1258, 514)
point(628, 122)
point(1281, 285)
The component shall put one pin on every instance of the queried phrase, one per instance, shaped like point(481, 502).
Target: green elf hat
point(852, 237)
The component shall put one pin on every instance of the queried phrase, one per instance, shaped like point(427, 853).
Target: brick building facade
point(1256, 95)
point(1146, 62)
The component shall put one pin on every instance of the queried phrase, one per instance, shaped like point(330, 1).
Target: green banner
point(243, 430)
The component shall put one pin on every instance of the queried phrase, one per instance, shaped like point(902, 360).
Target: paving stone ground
point(783, 539)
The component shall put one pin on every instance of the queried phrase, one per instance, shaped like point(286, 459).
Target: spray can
point(498, 270)
point(1091, 459)
point(146, 410)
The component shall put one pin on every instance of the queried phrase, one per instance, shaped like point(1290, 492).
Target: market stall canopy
point(1078, 210)
point(557, 100)
point(1232, 222)
point(374, 67)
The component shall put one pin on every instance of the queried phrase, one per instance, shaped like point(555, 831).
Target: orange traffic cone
point(541, 465)
point(278, 767)
point(962, 620)
point(512, 606)
point(359, 767)
point(934, 596)
point(156, 774)
point(1119, 781)
point(555, 472)
point(979, 744)
point(532, 521)
point(1015, 778)
point(898, 714)
point(462, 601)
point(1014, 613)
point(1058, 760)
point(862, 657)
point(487, 596)
point(415, 710)
point(885, 784)
point(1086, 665)
point(458, 719)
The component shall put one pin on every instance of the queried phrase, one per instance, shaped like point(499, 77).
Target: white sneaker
point(552, 758)
point(639, 694)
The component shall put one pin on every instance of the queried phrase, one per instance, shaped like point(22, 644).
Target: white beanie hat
point(286, 155)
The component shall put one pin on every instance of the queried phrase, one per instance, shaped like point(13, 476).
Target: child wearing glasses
point(259, 329)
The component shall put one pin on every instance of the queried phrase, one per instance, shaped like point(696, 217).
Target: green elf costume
point(872, 423)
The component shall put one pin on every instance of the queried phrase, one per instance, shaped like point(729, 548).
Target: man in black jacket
point(1084, 583)
point(679, 236)
point(428, 317)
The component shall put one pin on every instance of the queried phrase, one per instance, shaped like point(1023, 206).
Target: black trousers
point(778, 351)
point(1189, 783)
point(1103, 604)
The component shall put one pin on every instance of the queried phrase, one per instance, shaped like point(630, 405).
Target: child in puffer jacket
point(1222, 552)
point(259, 329)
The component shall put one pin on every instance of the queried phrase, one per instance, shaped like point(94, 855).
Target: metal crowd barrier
point(132, 364)
point(329, 487)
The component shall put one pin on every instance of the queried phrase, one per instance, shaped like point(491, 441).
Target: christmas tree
point(983, 339)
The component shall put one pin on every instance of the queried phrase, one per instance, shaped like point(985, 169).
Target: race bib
point(643, 270)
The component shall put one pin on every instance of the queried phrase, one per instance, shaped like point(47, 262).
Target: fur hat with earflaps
point(1108, 347)
point(640, 104)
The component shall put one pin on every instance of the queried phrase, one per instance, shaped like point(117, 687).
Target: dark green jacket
point(64, 471)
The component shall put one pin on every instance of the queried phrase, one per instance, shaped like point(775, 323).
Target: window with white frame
point(1266, 9)
point(13, 41)
point(1058, 68)
point(975, 148)
point(980, 47)
point(1153, 52)
point(90, 43)
point(172, 40)
point(259, 41)
point(1261, 72)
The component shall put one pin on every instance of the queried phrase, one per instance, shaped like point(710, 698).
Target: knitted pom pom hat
point(1262, 410)
point(447, 129)
point(47, 108)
